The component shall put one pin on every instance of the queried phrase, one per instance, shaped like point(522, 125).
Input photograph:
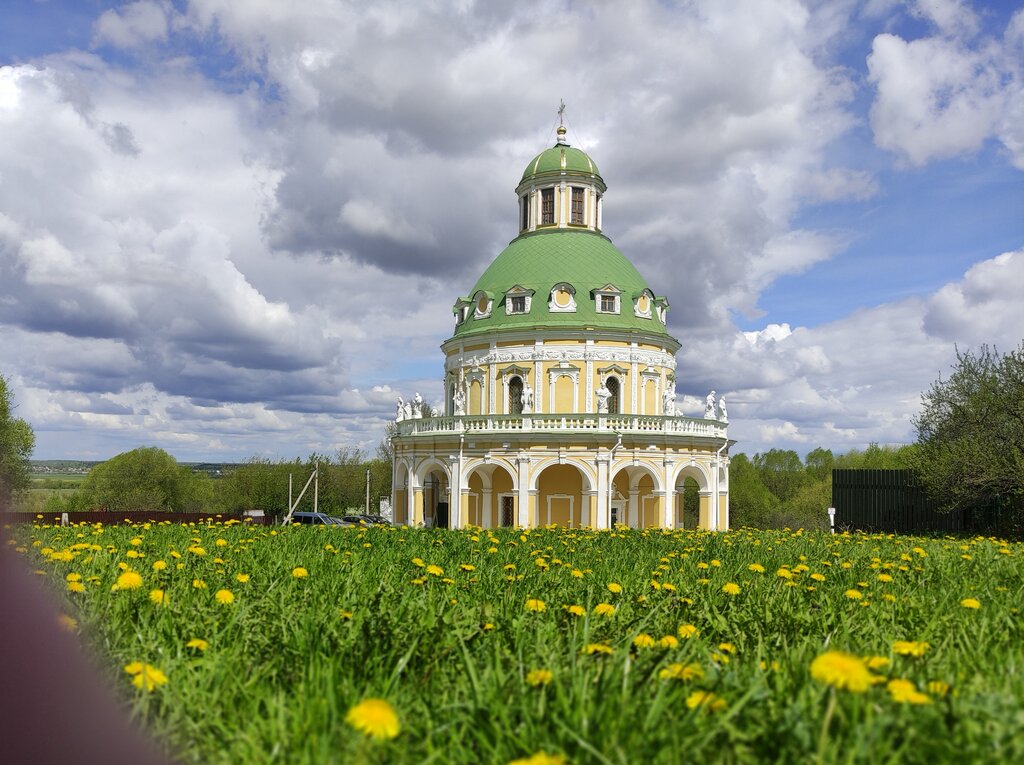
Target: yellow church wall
point(556, 483)
point(650, 515)
point(704, 513)
point(564, 341)
point(401, 505)
point(476, 397)
point(532, 511)
point(417, 507)
point(564, 395)
point(508, 343)
point(650, 397)
point(723, 502)
point(478, 347)
point(559, 511)
point(613, 344)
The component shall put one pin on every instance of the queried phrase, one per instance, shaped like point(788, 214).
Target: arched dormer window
point(562, 299)
point(643, 302)
point(482, 304)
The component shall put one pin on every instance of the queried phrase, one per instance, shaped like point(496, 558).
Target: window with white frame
point(606, 299)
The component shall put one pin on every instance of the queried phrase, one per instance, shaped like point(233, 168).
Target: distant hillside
point(42, 468)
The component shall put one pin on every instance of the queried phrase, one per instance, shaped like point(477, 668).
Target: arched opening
point(693, 499)
point(636, 495)
point(515, 395)
point(435, 500)
point(491, 500)
point(612, 384)
point(562, 499)
point(450, 400)
point(687, 503)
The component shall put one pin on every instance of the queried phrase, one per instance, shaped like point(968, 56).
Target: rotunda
point(559, 385)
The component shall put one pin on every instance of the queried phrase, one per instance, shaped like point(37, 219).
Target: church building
point(559, 385)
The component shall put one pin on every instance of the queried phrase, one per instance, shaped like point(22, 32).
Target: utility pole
point(367, 491)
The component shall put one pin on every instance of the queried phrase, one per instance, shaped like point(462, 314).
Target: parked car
point(366, 520)
point(313, 519)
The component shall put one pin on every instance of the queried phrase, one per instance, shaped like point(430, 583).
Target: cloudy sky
point(237, 228)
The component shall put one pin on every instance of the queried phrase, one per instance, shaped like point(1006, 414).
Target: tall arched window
point(612, 384)
point(515, 395)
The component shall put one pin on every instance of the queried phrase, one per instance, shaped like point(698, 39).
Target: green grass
point(284, 664)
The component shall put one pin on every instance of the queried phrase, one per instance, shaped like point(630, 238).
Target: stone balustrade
point(563, 423)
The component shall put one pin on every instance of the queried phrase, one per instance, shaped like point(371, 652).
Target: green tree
point(819, 463)
point(970, 432)
point(877, 457)
point(146, 478)
point(750, 501)
point(17, 440)
point(781, 471)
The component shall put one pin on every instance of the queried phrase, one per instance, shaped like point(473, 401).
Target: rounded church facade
point(559, 386)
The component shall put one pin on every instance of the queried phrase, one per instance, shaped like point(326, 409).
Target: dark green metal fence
point(888, 501)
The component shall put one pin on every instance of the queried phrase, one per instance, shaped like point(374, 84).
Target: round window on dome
point(481, 305)
point(563, 298)
point(643, 303)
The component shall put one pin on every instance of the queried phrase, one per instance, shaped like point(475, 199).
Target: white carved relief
point(554, 353)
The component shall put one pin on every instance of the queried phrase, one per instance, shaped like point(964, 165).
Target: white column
point(603, 504)
point(455, 519)
point(523, 502)
point(633, 511)
point(670, 495)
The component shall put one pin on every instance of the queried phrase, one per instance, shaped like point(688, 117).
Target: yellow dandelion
point(577, 573)
point(158, 597)
point(241, 578)
point(299, 572)
point(418, 562)
point(614, 587)
point(905, 692)
point(604, 609)
point(818, 577)
point(643, 640)
point(597, 648)
point(910, 647)
point(938, 688)
point(76, 587)
point(540, 758)
point(159, 565)
point(757, 568)
point(576, 610)
point(687, 631)
point(854, 594)
point(129, 580)
point(535, 605)
point(668, 641)
point(681, 672)
point(435, 570)
point(731, 588)
point(145, 676)
point(784, 573)
point(842, 670)
point(224, 597)
point(705, 700)
point(69, 623)
point(537, 677)
point(374, 717)
point(970, 603)
point(198, 643)
point(467, 567)
point(73, 577)
point(884, 577)
point(877, 662)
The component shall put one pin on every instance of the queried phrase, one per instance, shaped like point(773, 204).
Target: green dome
point(561, 157)
point(538, 261)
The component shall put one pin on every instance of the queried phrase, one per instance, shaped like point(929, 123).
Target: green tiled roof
point(551, 161)
point(540, 260)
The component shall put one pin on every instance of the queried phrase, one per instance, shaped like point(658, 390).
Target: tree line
point(969, 455)
point(148, 478)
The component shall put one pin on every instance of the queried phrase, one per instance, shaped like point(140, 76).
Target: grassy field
point(255, 644)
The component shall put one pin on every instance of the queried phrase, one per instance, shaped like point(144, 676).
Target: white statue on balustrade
point(417, 406)
point(603, 395)
point(709, 406)
point(723, 413)
point(668, 402)
point(527, 399)
point(400, 410)
point(459, 401)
